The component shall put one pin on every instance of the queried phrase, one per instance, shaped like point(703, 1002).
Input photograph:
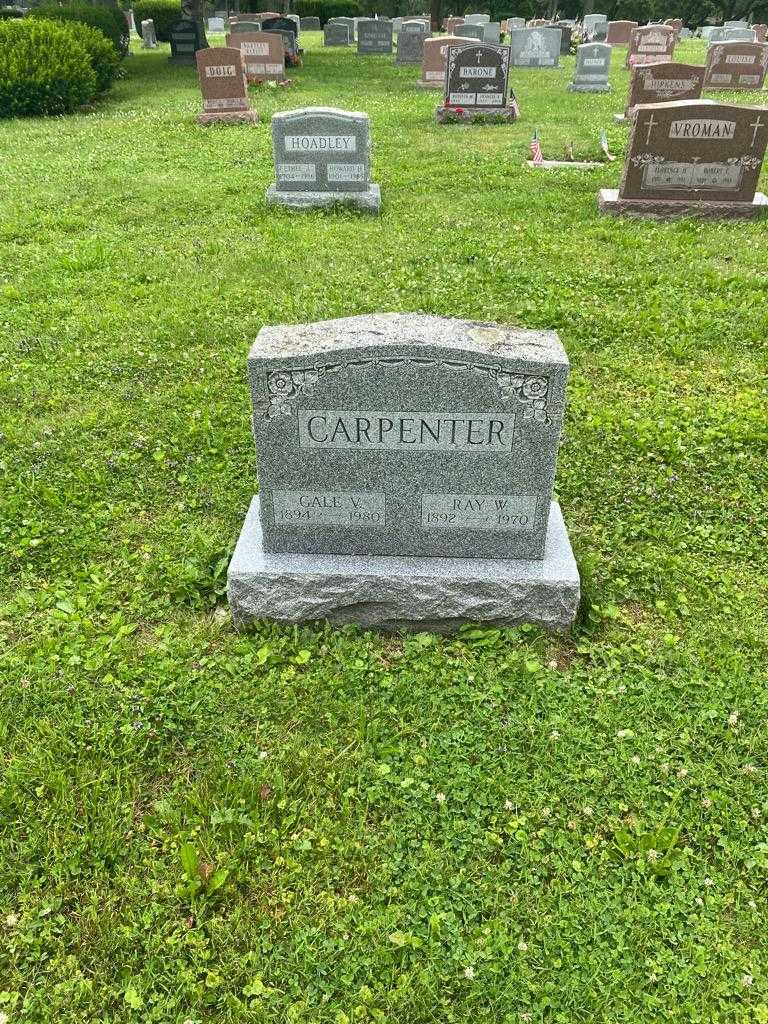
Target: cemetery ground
point(309, 824)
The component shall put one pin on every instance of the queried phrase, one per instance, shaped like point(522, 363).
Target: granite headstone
point(410, 43)
point(619, 32)
point(593, 65)
point(186, 40)
point(335, 34)
point(374, 36)
point(263, 55)
point(311, 24)
point(433, 62)
point(662, 83)
point(535, 47)
point(148, 35)
point(651, 44)
point(477, 84)
point(223, 85)
point(466, 31)
point(736, 66)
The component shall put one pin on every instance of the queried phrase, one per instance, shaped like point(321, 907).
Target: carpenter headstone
point(692, 158)
point(651, 44)
point(736, 66)
point(223, 85)
point(406, 467)
point(335, 34)
point(535, 47)
point(374, 36)
point(186, 40)
point(593, 65)
point(323, 157)
point(477, 84)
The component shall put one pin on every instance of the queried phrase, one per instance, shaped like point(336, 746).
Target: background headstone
point(410, 45)
point(322, 156)
point(590, 20)
point(492, 33)
point(286, 27)
point(477, 19)
point(374, 36)
point(349, 22)
point(222, 82)
point(452, 24)
point(148, 35)
point(311, 25)
point(466, 31)
point(740, 35)
point(263, 55)
point(593, 64)
point(619, 32)
point(244, 25)
point(216, 24)
point(185, 41)
point(406, 469)
point(651, 44)
point(692, 158)
point(433, 62)
point(335, 34)
point(535, 47)
point(514, 23)
point(736, 66)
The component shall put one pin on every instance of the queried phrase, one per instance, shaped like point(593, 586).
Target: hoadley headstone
point(374, 36)
point(148, 35)
point(433, 63)
point(186, 40)
point(410, 43)
point(263, 55)
point(593, 65)
point(477, 85)
point(335, 34)
point(662, 83)
point(323, 157)
point(535, 47)
point(406, 466)
point(651, 44)
point(692, 159)
point(736, 66)
point(223, 85)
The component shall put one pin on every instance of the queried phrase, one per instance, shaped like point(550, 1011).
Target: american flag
point(536, 157)
point(604, 145)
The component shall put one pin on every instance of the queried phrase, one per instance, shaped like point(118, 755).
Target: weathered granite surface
point(402, 593)
point(609, 201)
point(369, 201)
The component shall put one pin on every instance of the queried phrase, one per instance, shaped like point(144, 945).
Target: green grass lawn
point(312, 825)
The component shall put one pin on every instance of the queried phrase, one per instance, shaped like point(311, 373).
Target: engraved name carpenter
point(477, 432)
point(328, 508)
point(501, 513)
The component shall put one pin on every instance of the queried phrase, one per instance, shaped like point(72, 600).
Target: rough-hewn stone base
point(368, 201)
point(578, 87)
point(449, 115)
point(403, 593)
point(551, 165)
point(228, 117)
point(608, 201)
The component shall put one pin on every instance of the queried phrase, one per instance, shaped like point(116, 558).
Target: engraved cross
point(650, 125)
point(756, 126)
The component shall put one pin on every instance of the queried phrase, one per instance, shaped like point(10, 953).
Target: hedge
point(327, 9)
point(105, 60)
point(108, 20)
point(44, 69)
point(164, 13)
point(10, 12)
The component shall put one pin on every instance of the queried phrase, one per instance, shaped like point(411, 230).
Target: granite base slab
point(575, 87)
point(229, 117)
point(429, 85)
point(608, 201)
point(494, 115)
point(369, 201)
point(403, 593)
point(550, 165)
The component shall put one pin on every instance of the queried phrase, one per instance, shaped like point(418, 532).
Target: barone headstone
point(476, 84)
point(740, 35)
point(619, 32)
point(662, 83)
point(335, 34)
point(470, 32)
point(263, 55)
point(692, 159)
point(322, 158)
point(374, 36)
point(410, 44)
point(186, 40)
point(216, 24)
point(148, 35)
point(593, 65)
point(349, 22)
point(535, 47)
point(311, 24)
point(590, 20)
point(224, 88)
point(433, 61)
point(736, 66)
point(406, 467)
point(651, 44)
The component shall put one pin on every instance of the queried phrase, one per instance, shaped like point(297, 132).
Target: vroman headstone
point(692, 159)
point(323, 157)
point(410, 44)
point(535, 47)
point(406, 467)
point(335, 34)
point(619, 32)
point(374, 36)
point(311, 25)
point(651, 44)
point(433, 62)
point(466, 31)
point(186, 40)
point(263, 55)
point(736, 66)
point(223, 85)
point(662, 83)
point(477, 84)
point(593, 65)
point(148, 35)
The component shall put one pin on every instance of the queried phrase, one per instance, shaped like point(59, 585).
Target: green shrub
point(104, 57)
point(164, 13)
point(43, 69)
point(108, 20)
point(10, 12)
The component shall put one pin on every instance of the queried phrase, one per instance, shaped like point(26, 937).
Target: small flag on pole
point(569, 153)
point(604, 145)
point(536, 156)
